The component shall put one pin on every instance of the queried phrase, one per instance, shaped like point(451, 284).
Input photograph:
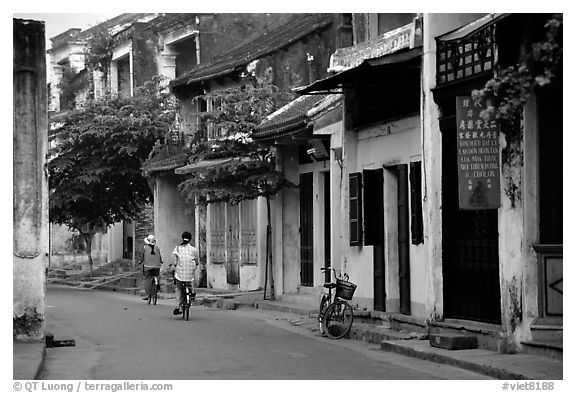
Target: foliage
point(71, 83)
point(511, 88)
point(513, 85)
point(98, 50)
point(96, 154)
point(250, 171)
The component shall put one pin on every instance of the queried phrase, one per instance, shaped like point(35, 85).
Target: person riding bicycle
point(152, 262)
point(185, 263)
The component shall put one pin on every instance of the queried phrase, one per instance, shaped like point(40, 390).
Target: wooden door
point(374, 230)
point(306, 231)
point(470, 263)
point(232, 244)
point(248, 250)
point(327, 233)
point(403, 239)
point(217, 232)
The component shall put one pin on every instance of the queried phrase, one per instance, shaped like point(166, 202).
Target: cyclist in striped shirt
point(185, 263)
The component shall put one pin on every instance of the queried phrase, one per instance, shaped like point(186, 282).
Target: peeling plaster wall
point(290, 225)
point(171, 217)
point(510, 244)
point(30, 181)
point(434, 25)
point(389, 144)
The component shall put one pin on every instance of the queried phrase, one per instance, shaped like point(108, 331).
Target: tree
point(95, 178)
point(250, 171)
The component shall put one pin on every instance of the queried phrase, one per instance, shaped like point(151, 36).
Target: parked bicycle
point(336, 315)
point(188, 297)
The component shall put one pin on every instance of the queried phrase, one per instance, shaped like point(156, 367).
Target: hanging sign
point(478, 153)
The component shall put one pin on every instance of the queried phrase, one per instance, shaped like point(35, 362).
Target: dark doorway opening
point(470, 263)
point(306, 231)
point(374, 230)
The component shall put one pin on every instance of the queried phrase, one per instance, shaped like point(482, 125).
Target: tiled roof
point(167, 159)
point(299, 26)
point(170, 20)
point(74, 35)
point(289, 118)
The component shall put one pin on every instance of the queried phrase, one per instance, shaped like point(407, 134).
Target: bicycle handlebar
point(334, 270)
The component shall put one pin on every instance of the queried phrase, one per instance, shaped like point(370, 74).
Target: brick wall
point(143, 226)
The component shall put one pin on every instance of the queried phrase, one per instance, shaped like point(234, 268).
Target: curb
point(490, 371)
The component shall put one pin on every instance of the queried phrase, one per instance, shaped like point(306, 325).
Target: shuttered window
point(355, 187)
point(416, 223)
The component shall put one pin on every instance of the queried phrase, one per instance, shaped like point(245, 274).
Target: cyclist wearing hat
point(185, 263)
point(152, 261)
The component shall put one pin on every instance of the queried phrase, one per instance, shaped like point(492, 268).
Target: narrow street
point(119, 336)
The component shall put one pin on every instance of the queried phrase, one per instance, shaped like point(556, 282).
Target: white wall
point(386, 145)
point(171, 217)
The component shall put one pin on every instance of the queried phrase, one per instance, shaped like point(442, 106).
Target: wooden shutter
point(416, 224)
point(355, 186)
point(373, 197)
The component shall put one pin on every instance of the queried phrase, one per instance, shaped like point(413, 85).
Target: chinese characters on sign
point(478, 154)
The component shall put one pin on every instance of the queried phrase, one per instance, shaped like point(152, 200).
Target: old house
point(500, 264)
point(71, 83)
point(490, 264)
point(293, 53)
point(372, 144)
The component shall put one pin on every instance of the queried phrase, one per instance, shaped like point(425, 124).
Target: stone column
point(30, 220)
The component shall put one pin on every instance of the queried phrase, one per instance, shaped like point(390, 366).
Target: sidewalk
point(28, 357)
point(494, 364)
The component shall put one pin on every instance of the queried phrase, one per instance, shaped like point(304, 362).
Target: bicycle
point(335, 316)
point(187, 298)
point(152, 297)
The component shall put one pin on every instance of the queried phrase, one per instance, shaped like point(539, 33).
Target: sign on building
point(478, 154)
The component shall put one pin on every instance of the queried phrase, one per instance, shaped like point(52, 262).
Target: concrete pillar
point(30, 210)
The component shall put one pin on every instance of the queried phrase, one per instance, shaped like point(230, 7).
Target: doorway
point(306, 231)
point(470, 263)
point(374, 230)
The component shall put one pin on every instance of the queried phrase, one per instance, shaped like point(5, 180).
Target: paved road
point(119, 336)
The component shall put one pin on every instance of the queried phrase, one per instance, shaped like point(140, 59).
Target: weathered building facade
point(293, 54)
point(417, 253)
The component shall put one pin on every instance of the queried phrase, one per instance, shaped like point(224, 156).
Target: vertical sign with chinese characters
point(478, 154)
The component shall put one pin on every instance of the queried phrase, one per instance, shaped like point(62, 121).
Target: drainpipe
point(131, 57)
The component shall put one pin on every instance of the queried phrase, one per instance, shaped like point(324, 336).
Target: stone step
point(549, 349)
point(546, 333)
point(453, 342)
point(488, 336)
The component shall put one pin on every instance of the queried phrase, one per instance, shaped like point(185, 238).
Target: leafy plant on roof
point(245, 169)
point(70, 85)
point(511, 87)
point(250, 172)
point(98, 51)
point(95, 176)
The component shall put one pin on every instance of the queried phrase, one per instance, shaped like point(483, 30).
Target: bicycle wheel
point(338, 319)
point(323, 306)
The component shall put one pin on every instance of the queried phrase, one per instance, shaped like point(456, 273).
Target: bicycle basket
point(345, 289)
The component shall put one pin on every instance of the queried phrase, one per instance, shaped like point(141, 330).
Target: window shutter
point(416, 224)
point(355, 187)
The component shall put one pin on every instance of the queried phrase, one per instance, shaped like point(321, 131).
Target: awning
point(191, 168)
point(471, 28)
point(394, 60)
